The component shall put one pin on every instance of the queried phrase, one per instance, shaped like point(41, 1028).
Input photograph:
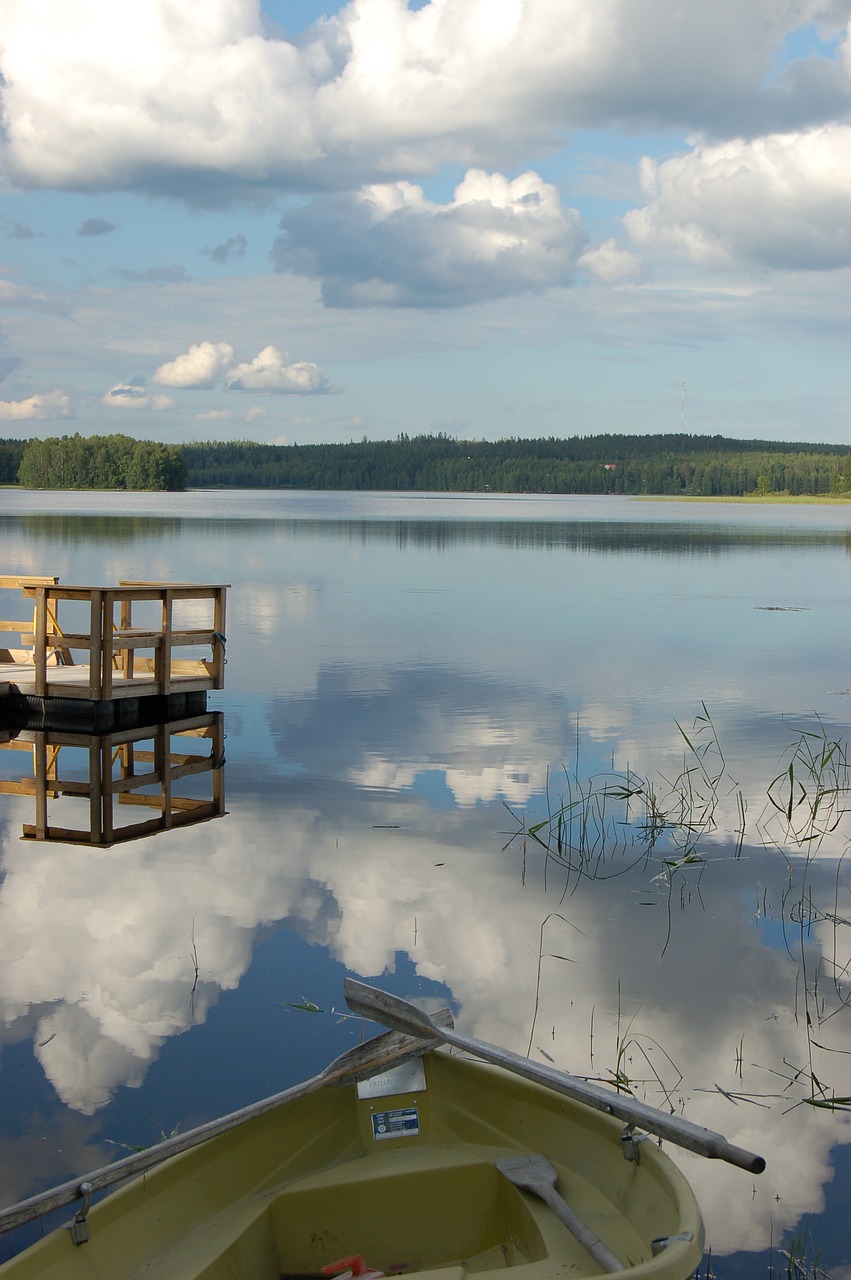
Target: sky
point(295, 222)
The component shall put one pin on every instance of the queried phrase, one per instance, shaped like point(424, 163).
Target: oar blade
point(530, 1173)
point(537, 1175)
point(374, 1057)
point(389, 1010)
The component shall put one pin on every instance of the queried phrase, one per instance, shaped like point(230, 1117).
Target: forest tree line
point(660, 464)
point(712, 466)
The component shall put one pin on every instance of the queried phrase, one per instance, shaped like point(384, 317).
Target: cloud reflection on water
point(103, 946)
point(385, 696)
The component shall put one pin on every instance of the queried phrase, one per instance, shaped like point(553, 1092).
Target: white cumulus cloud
point(780, 201)
point(206, 364)
point(269, 371)
point(130, 396)
point(37, 408)
point(609, 262)
point(185, 98)
point(25, 297)
point(390, 245)
point(214, 415)
point(202, 366)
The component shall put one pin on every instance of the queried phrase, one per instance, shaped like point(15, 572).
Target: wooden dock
point(99, 655)
point(92, 777)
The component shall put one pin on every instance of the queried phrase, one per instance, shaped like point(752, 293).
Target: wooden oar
point(536, 1174)
point(360, 1063)
point(392, 1011)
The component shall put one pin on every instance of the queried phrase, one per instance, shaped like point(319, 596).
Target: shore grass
point(762, 499)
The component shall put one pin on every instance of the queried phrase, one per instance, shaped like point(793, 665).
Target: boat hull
point(406, 1179)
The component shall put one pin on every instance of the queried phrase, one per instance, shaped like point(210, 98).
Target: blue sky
point(306, 222)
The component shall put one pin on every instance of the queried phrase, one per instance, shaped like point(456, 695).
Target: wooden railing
point(9, 582)
point(108, 641)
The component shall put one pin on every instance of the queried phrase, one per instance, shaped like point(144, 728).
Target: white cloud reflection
point(97, 949)
point(103, 945)
point(486, 758)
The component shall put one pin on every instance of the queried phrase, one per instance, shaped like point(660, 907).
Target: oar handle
point(693, 1137)
point(589, 1240)
point(738, 1156)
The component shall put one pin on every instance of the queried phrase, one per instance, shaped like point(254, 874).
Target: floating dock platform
point(105, 657)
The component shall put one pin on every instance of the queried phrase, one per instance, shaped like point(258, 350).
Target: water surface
point(413, 681)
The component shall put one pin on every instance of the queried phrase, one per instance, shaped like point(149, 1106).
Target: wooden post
point(107, 643)
point(97, 793)
point(219, 609)
point(162, 661)
point(103, 759)
point(126, 624)
point(40, 770)
point(162, 768)
point(40, 654)
point(217, 748)
point(96, 646)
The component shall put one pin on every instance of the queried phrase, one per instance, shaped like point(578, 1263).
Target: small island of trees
point(94, 462)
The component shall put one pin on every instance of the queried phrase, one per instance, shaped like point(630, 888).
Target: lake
point(575, 766)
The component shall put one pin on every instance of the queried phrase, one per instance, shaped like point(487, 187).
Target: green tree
point(101, 462)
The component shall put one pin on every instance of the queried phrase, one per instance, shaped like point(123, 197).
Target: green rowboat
point(431, 1165)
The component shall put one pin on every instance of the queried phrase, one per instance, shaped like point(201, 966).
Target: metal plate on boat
point(403, 1123)
point(408, 1077)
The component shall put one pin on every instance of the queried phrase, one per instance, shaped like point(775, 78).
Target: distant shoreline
point(762, 499)
point(668, 466)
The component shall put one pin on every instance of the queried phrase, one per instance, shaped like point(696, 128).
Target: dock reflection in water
point(81, 782)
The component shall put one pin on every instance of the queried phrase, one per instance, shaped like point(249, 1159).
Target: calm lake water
point(413, 683)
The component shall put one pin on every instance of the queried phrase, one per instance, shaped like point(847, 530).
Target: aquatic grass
point(808, 799)
point(582, 835)
point(800, 1261)
point(553, 915)
point(833, 1103)
point(629, 1045)
point(803, 1260)
point(638, 1043)
point(304, 1005)
point(698, 784)
point(611, 823)
point(605, 816)
point(704, 1271)
point(195, 970)
point(840, 969)
point(672, 868)
point(620, 1078)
